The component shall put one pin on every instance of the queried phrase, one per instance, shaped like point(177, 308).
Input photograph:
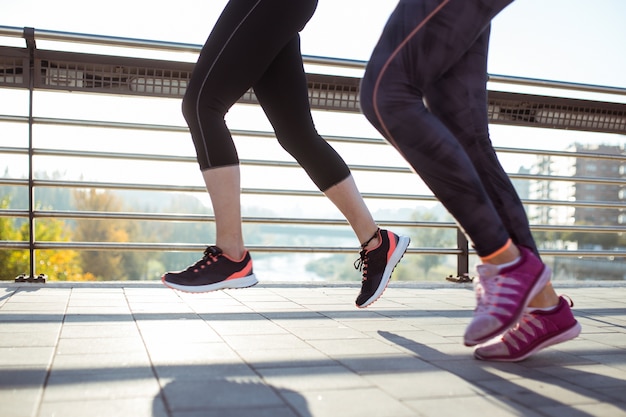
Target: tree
point(59, 265)
point(105, 265)
point(10, 268)
point(418, 267)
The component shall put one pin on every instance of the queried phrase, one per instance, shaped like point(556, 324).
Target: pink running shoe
point(537, 330)
point(502, 295)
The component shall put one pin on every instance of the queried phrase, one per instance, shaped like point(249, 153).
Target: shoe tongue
point(486, 271)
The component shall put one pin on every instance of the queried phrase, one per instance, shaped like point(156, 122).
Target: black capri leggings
point(436, 51)
point(255, 43)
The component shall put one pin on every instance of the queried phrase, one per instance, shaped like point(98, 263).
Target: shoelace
point(527, 325)
point(482, 288)
point(211, 253)
point(361, 263)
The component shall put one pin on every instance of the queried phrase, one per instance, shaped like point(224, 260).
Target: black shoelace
point(211, 252)
point(361, 263)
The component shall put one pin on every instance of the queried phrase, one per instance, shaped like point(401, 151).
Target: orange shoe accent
point(503, 249)
point(244, 272)
point(392, 244)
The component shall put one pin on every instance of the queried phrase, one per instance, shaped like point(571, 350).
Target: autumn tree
point(105, 265)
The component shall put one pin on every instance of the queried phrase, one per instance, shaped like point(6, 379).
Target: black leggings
point(436, 50)
point(255, 43)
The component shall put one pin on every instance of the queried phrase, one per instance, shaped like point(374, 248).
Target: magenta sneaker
point(502, 295)
point(536, 330)
point(215, 271)
point(377, 265)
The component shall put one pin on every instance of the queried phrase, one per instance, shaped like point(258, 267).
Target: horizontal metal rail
point(63, 71)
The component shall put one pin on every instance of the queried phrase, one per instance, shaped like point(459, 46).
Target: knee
point(189, 104)
point(366, 99)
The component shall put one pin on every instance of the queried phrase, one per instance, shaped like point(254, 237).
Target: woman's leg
point(421, 42)
point(282, 92)
point(459, 99)
point(243, 44)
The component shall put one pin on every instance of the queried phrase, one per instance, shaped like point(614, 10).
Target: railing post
point(462, 264)
point(29, 36)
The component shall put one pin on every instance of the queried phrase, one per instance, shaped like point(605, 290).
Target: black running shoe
point(215, 271)
point(377, 265)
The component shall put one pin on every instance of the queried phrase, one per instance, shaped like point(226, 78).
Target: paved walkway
point(140, 349)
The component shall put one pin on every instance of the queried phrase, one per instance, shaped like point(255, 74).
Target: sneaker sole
point(569, 334)
point(393, 261)
point(244, 282)
point(542, 281)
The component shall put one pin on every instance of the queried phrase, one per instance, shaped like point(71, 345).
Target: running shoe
point(215, 271)
point(377, 264)
point(536, 330)
point(503, 294)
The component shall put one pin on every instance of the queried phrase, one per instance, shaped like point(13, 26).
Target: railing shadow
point(518, 394)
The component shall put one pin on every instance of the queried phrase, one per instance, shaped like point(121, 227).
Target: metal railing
point(32, 69)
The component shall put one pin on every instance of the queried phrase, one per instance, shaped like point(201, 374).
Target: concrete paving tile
point(272, 358)
point(17, 377)
point(597, 376)
point(615, 359)
point(179, 331)
point(474, 370)
point(319, 378)
point(298, 318)
point(26, 356)
point(24, 307)
point(408, 337)
point(19, 402)
point(220, 394)
point(8, 328)
point(441, 384)
point(161, 308)
point(261, 342)
point(25, 318)
point(283, 411)
point(99, 345)
point(203, 372)
point(471, 406)
point(95, 387)
point(452, 350)
point(96, 300)
point(175, 353)
point(267, 306)
point(87, 331)
point(382, 323)
point(246, 327)
point(98, 319)
point(42, 338)
point(100, 373)
point(353, 347)
point(553, 356)
point(585, 410)
point(543, 391)
point(612, 339)
point(92, 310)
point(347, 403)
point(101, 360)
point(331, 331)
point(135, 407)
point(389, 363)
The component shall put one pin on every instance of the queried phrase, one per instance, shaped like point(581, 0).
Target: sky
point(563, 40)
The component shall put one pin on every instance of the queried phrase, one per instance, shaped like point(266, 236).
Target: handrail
point(514, 109)
point(62, 36)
